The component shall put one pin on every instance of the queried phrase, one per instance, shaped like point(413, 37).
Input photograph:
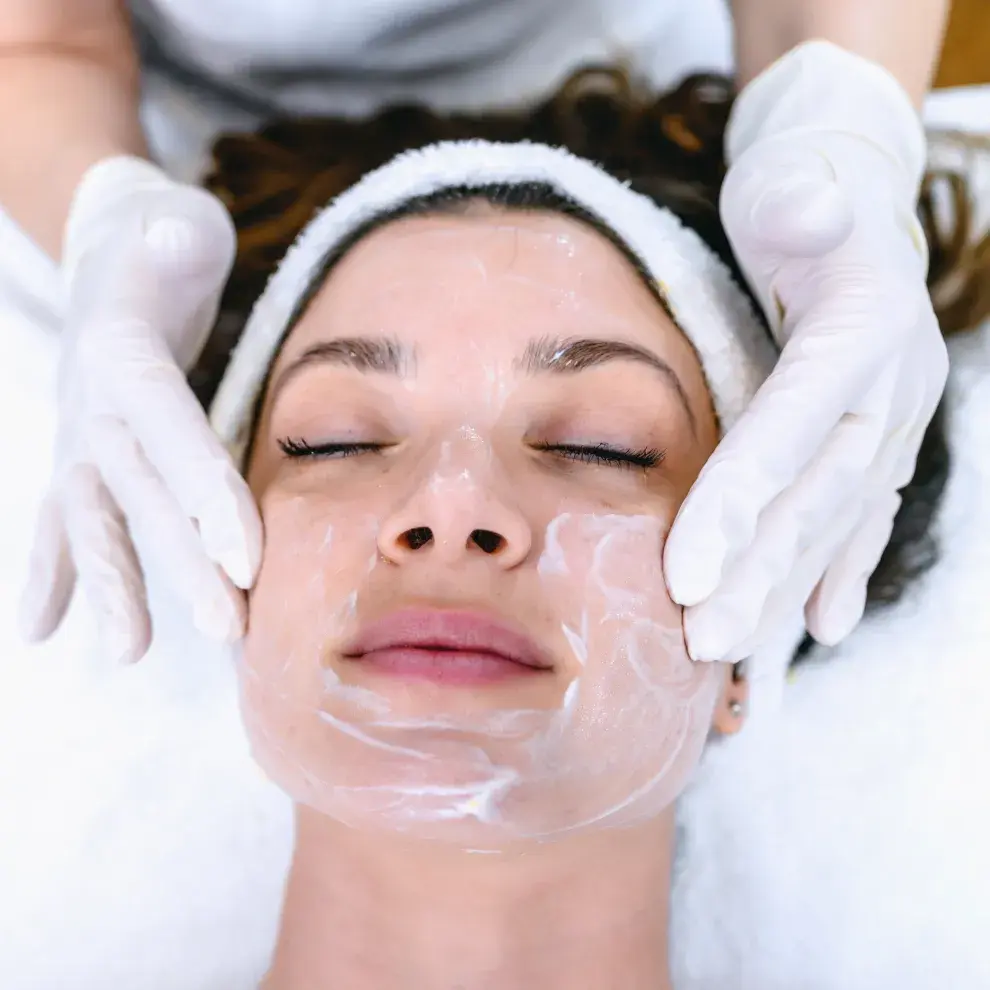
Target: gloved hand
point(145, 260)
point(826, 154)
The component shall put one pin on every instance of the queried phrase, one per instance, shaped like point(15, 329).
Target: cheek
point(307, 578)
point(291, 574)
point(694, 455)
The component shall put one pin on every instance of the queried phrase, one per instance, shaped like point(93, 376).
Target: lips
point(446, 645)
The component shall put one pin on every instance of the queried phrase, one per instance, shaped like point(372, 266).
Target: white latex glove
point(145, 260)
point(826, 155)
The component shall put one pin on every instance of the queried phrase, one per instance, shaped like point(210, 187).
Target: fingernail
point(236, 563)
point(32, 599)
point(235, 547)
point(28, 614)
point(725, 629)
point(35, 594)
point(696, 570)
point(703, 645)
point(175, 242)
point(705, 650)
point(842, 617)
point(118, 643)
point(809, 215)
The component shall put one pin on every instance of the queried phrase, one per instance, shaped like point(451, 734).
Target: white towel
point(735, 350)
point(141, 850)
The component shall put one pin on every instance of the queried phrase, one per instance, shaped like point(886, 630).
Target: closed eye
point(297, 448)
point(599, 453)
point(606, 454)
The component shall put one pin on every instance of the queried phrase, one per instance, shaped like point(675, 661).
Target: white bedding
point(840, 843)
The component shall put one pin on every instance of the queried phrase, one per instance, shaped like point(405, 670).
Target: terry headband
point(735, 350)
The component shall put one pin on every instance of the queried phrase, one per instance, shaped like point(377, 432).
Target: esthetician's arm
point(904, 36)
point(826, 153)
point(143, 262)
point(68, 98)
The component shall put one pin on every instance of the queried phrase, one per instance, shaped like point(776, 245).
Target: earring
point(735, 708)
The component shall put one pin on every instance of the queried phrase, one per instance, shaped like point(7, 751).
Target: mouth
point(446, 647)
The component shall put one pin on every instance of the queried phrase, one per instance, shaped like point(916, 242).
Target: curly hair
point(668, 147)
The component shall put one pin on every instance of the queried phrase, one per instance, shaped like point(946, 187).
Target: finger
point(107, 566)
point(51, 575)
point(190, 254)
point(811, 513)
point(801, 212)
point(195, 241)
point(753, 466)
point(157, 404)
point(173, 544)
point(853, 452)
point(168, 270)
point(902, 457)
point(783, 602)
point(838, 602)
point(784, 428)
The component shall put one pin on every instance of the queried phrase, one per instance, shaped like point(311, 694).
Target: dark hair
point(668, 147)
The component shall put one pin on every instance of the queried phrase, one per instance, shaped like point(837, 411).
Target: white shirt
point(212, 64)
point(839, 846)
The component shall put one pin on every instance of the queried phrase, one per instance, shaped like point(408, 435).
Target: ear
point(730, 709)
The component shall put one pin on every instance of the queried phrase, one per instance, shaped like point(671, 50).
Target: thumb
point(804, 218)
point(189, 253)
point(785, 201)
point(191, 238)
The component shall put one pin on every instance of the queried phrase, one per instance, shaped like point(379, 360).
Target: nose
point(456, 522)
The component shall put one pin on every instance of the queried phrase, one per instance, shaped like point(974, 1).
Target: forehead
point(509, 240)
point(526, 271)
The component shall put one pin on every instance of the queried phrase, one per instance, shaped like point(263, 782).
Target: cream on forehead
point(553, 256)
point(468, 308)
point(510, 237)
point(735, 352)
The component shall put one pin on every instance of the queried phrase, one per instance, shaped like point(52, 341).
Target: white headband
point(735, 350)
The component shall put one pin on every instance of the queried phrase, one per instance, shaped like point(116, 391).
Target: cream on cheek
point(610, 735)
point(607, 739)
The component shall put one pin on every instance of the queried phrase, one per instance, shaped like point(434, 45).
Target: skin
point(465, 295)
point(69, 92)
point(904, 37)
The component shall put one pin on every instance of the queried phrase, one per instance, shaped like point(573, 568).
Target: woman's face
point(469, 453)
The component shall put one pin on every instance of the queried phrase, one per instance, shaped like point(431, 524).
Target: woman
point(843, 80)
point(669, 147)
point(465, 405)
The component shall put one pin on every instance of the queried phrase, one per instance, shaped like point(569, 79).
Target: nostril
point(487, 540)
point(417, 537)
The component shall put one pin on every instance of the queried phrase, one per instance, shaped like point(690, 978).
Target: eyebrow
point(366, 354)
point(573, 354)
point(554, 355)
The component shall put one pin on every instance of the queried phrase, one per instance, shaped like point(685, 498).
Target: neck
point(366, 912)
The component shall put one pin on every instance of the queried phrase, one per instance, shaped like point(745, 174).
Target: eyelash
point(292, 447)
point(599, 453)
point(603, 453)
